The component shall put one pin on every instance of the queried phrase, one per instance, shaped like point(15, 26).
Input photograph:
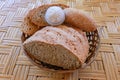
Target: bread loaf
point(60, 46)
point(37, 15)
point(78, 18)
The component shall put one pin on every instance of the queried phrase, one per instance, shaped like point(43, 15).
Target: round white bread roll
point(54, 15)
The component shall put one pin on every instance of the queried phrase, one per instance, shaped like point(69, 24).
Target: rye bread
point(28, 28)
point(60, 46)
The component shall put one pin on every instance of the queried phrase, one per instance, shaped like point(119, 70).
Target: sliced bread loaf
point(61, 46)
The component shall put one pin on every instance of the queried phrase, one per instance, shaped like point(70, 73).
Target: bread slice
point(78, 18)
point(28, 28)
point(61, 46)
point(37, 15)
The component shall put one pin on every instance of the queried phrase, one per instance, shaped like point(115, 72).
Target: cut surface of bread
point(28, 28)
point(78, 18)
point(61, 46)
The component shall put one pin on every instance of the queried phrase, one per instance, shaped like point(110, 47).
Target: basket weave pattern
point(14, 65)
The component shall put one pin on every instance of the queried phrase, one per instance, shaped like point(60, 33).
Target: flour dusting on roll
point(54, 15)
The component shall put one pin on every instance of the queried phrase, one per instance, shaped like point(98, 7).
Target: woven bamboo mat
point(14, 65)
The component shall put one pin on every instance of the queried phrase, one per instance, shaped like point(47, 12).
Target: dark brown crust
point(37, 14)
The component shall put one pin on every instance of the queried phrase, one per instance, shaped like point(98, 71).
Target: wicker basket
point(93, 38)
point(94, 41)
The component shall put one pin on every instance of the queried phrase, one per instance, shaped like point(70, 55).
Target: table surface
point(14, 65)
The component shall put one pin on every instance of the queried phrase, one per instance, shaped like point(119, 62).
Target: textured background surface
point(14, 65)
